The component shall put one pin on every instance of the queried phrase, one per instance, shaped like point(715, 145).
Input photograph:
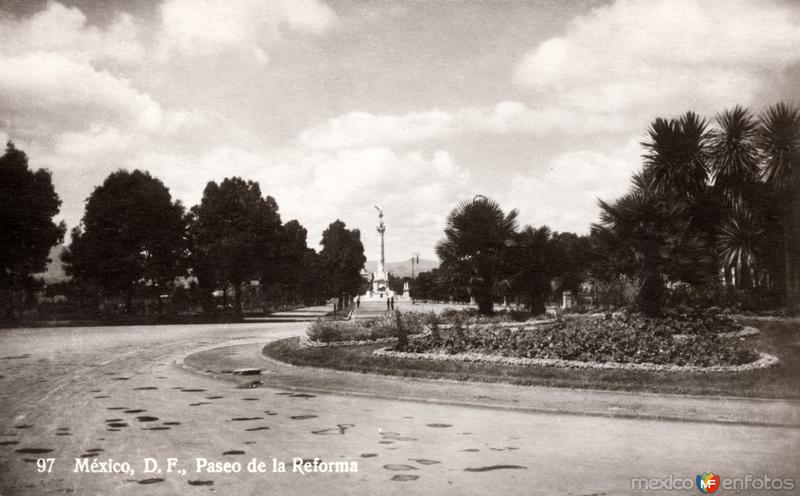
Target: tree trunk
point(129, 302)
point(483, 297)
point(651, 295)
point(791, 282)
point(159, 303)
point(237, 295)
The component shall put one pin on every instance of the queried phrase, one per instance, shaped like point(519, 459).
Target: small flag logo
point(708, 482)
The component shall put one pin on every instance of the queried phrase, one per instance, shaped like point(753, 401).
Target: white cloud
point(643, 57)
point(63, 30)
point(564, 193)
point(51, 89)
point(415, 189)
point(207, 27)
point(360, 129)
point(58, 74)
point(98, 141)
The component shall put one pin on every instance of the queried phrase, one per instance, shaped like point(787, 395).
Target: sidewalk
point(219, 362)
point(305, 314)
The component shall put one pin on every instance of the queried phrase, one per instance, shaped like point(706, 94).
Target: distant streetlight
point(414, 259)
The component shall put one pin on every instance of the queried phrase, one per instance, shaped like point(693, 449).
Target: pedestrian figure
point(358, 301)
point(388, 304)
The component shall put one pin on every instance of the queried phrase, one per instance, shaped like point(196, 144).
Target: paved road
point(115, 393)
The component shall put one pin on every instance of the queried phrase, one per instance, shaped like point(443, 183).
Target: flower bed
point(764, 360)
point(630, 339)
point(470, 316)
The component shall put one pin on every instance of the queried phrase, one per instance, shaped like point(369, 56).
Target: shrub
point(630, 338)
point(327, 331)
point(401, 331)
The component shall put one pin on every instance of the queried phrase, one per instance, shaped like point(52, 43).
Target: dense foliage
point(389, 326)
point(629, 339)
point(715, 207)
point(342, 257)
point(235, 233)
point(475, 249)
point(132, 236)
point(712, 218)
point(28, 204)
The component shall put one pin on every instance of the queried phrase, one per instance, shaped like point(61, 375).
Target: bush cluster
point(470, 316)
point(627, 339)
point(388, 326)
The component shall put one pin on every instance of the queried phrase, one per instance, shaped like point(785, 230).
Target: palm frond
point(779, 140)
point(734, 154)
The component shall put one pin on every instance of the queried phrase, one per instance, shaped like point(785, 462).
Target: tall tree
point(314, 281)
point(649, 237)
point(733, 150)
point(779, 140)
point(676, 156)
point(236, 232)
point(289, 265)
point(343, 258)
point(422, 286)
point(478, 236)
point(739, 242)
point(28, 203)
point(676, 162)
point(534, 261)
point(734, 159)
point(570, 258)
point(132, 235)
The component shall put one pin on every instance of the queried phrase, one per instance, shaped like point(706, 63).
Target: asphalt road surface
point(82, 395)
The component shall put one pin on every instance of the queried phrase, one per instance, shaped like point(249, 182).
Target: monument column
point(381, 230)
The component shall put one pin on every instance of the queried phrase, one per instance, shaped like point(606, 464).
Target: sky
point(337, 106)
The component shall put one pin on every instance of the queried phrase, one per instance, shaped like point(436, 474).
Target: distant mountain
point(403, 269)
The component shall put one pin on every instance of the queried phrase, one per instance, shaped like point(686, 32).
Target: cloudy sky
point(336, 106)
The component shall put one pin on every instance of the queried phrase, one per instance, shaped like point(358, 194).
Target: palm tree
point(647, 236)
point(734, 156)
point(779, 141)
point(676, 155)
point(535, 266)
point(738, 242)
point(478, 236)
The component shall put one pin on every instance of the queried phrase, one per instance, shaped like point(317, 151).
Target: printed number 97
point(44, 465)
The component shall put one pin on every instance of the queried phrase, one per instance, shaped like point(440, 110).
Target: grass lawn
point(778, 338)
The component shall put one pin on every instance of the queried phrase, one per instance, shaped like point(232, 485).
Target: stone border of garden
point(765, 361)
point(744, 332)
point(305, 342)
point(528, 325)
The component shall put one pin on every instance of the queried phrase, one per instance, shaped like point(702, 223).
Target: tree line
point(713, 217)
point(136, 243)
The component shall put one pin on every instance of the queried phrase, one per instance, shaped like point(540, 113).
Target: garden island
point(660, 296)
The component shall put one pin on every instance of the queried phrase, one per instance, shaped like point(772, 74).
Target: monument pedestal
point(380, 282)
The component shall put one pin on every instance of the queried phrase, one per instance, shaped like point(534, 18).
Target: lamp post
point(414, 258)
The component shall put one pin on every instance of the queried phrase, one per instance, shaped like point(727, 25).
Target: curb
point(629, 415)
point(764, 361)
